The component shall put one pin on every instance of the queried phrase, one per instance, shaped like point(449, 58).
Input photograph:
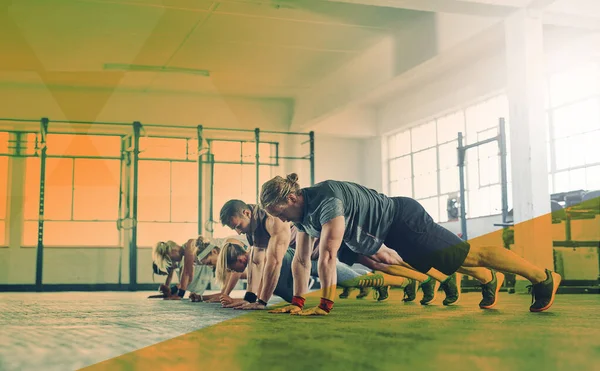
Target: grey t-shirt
point(368, 214)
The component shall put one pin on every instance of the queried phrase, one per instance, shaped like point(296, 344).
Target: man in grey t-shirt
point(343, 211)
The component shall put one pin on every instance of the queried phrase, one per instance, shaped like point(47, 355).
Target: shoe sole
point(556, 278)
point(435, 293)
point(500, 280)
point(454, 302)
point(359, 297)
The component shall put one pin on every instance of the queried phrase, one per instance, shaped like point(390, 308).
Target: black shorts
point(421, 242)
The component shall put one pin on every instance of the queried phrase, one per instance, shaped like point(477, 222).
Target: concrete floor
point(67, 331)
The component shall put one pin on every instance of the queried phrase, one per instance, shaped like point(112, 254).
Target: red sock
point(298, 301)
point(326, 305)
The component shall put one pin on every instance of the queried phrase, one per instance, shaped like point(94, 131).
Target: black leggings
point(285, 285)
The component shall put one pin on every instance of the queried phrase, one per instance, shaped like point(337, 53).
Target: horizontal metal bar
point(86, 134)
point(504, 224)
point(85, 157)
point(91, 122)
point(239, 141)
point(167, 137)
point(229, 140)
point(165, 222)
point(293, 158)
point(19, 120)
point(75, 247)
point(185, 127)
point(237, 163)
point(166, 159)
point(73, 220)
point(17, 156)
point(229, 129)
point(282, 132)
point(154, 125)
point(464, 148)
point(576, 243)
point(19, 131)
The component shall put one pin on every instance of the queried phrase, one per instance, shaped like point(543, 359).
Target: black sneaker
point(381, 293)
point(490, 290)
point(410, 291)
point(364, 292)
point(430, 289)
point(452, 289)
point(346, 292)
point(543, 293)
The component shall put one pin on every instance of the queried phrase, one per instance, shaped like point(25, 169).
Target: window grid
point(569, 167)
point(437, 211)
point(562, 178)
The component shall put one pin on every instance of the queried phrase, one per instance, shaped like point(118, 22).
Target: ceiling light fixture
point(144, 68)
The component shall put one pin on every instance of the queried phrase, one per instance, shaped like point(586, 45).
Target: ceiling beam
point(572, 20)
point(488, 8)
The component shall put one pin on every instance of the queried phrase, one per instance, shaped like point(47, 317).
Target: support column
point(525, 80)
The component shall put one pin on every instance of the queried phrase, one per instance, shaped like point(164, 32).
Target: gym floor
point(68, 331)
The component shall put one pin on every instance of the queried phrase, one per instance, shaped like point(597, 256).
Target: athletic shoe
point(490, 290)
point(364, 292)
point(452, 289)
point(430, 289)
point(410, 291)
point(543, 293)
point(381, 293)
point(346, 292)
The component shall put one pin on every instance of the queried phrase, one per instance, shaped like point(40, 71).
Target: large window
point(574, 119)
point(81, 192)
point(4, 151)
point(3, 198)
point(167, 190)
point(423, 160)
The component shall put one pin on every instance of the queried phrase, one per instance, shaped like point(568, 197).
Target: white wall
point(174, 109)
point(476, 226)
point(413, 43)
point(354, 122)
point(375, 168)
point(453, 29)
point(444, 93)
point(338, 159)
point(369, 69)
